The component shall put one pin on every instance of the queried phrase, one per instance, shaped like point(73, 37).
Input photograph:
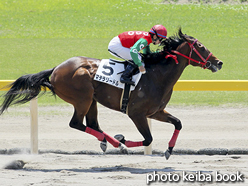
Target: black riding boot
point(126, 77)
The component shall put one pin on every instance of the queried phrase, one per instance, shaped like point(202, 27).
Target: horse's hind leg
point(91, 117)
point(92, 122)
point(167, 117)
point(73, 84)
point(77, 123)
point(83, 107)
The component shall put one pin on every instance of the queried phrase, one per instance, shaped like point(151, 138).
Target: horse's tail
point(26, 88)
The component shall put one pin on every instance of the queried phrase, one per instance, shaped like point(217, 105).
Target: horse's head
point(192, 50)
point(199, 55)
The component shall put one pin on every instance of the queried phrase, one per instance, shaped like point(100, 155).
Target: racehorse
point(73, 82)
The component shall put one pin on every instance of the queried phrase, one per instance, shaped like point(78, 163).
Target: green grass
point(210, 98)
point(24, 56)
point(31, 55)
point(38, 35)
point(105, 19)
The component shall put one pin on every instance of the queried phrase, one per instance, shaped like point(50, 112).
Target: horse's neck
point(170, 74)
point(176, 70)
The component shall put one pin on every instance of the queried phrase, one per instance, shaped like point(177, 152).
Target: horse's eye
point(201, 47)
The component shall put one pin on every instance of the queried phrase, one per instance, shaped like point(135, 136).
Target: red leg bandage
point(174, 138)
point(98, 135)
point(133, 144)
point(112, 140)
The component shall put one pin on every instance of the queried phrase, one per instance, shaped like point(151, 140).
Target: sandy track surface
point(203, 127)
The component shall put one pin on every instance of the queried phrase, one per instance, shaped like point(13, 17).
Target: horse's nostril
point(220, 63)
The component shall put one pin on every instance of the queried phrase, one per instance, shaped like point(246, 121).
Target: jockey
point(128, 44)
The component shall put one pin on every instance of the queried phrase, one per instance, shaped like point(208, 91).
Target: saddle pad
point(110, 72)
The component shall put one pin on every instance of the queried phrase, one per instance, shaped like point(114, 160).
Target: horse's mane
point(171, 43)
point(174, 41)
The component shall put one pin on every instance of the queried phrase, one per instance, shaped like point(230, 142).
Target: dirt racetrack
point(70, 157)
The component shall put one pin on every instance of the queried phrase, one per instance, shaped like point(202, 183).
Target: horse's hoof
point(103, 145)
point(167, 154)
point(123, 149)
point(120, 138)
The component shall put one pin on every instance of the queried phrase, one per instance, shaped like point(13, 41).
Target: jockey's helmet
point(159, 31)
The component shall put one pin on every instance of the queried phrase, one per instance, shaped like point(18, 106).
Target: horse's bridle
point(205, 63)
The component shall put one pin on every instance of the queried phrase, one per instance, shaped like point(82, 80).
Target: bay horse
point(73, 82)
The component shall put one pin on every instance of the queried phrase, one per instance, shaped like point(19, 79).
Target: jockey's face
point(156, 40)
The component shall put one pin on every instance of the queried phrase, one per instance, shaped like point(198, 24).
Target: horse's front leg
point(141, 123)
point(167, 117)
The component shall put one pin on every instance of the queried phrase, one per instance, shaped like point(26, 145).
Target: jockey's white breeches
point(118, 50)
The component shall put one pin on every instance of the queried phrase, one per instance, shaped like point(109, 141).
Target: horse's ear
point(180, 31)
point(181, 35)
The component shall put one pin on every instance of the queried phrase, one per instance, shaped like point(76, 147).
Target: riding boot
point(126, 77)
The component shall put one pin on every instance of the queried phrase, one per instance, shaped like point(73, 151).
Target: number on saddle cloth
point(110, 70)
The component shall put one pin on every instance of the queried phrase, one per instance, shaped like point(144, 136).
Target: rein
point(204, 62)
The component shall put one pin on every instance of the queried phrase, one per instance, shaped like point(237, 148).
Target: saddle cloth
point(109, 72)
